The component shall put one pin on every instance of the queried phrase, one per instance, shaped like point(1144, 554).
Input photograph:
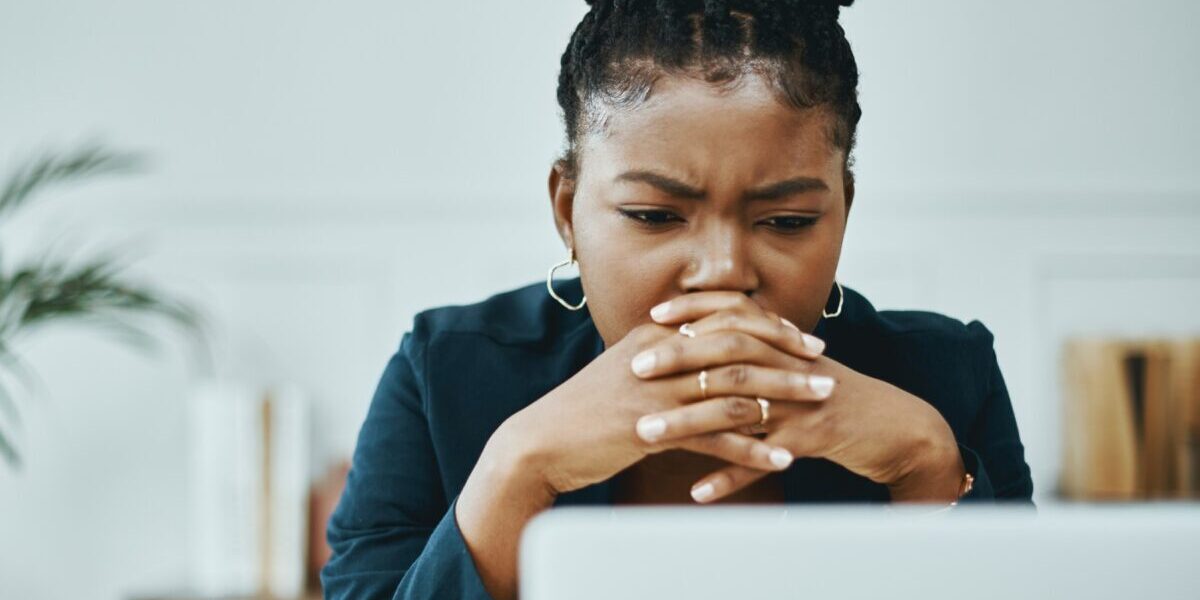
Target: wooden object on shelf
point(1130, 419)
point(1186, 389)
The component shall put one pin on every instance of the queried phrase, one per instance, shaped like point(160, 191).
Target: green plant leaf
point(52, 288)
point(49, 291)
point(49, 168)
point(8, 407)
point(7, 449)
point(10, 454)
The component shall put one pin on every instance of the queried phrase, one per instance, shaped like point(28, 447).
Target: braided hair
point(621, 47)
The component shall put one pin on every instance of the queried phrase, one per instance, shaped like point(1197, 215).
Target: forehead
point(692, 125)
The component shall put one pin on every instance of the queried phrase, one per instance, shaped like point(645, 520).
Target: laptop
point(1147, 551)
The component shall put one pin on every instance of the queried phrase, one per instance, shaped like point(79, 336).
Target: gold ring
point(764, 407)
point(686, 329)
point(703, 384)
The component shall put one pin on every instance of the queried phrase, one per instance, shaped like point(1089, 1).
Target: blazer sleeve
point(393, 533)
point(992, 450)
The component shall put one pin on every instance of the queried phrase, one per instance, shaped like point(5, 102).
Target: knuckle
point(671, 352)
point(726, 446)
point(684, 422)
point(736, 408)
point(733, 344)
point(738, 374)
point(706, 443)
point(729, 320)
point(746, 453)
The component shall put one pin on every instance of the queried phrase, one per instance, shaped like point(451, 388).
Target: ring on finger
point(764, 407)
point(686, 329)
point(703, 377)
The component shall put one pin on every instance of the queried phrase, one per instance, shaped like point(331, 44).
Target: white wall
point(322, 171)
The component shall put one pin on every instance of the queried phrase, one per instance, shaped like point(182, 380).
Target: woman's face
point(701, 188)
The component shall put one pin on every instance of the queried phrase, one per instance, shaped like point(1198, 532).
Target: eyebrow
point(679, 189)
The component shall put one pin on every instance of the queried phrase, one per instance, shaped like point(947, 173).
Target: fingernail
point(659, 312)
point(814, 343)
point(821, 385)
point(700, 493)
point(649, 428)
point(789, 323)
point(781, 458)
point(644, 362)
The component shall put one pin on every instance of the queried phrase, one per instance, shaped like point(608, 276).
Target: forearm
point(502, 494)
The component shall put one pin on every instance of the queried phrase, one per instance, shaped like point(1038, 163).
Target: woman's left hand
point(867, 425)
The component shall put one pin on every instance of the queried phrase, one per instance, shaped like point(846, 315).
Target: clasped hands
point(818, 406)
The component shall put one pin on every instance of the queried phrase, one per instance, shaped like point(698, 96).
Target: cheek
point(605, 251)
point(621, 284)
point(614, 249)
point(797, 278)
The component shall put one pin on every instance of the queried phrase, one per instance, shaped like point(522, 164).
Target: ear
point(562, 202)
point(848, 191)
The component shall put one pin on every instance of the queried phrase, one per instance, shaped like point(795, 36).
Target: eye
point(790, 223)
point(651, 218)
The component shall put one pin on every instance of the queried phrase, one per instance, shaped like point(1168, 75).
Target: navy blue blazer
point(462, 370)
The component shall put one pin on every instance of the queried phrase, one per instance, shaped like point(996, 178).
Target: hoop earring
point(841, 298)
point(550, 283)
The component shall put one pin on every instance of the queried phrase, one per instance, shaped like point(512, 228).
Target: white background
point(322, 171)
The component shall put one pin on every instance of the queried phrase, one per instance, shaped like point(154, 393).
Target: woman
point(704, 194)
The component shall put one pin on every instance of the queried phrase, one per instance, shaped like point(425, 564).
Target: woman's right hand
point(585, 430)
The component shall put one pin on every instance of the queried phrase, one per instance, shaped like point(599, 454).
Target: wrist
point(937, 474)
point(501, 495)
point(510, 466)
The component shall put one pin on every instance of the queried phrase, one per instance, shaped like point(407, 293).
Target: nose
point(719, 258)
